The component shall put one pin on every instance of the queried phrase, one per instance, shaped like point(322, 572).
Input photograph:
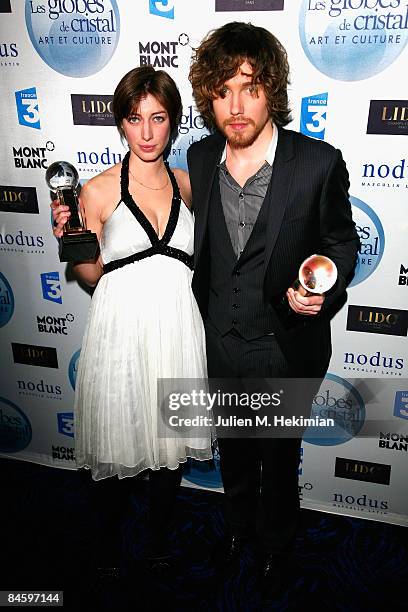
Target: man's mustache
point(241, 119)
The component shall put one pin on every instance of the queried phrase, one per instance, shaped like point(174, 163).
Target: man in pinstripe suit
point(264, 198)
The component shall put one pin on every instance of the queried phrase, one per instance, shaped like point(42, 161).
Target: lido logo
point(5, 6)
point(162, 8)
point(351, 40)
point(76, 38)
point(6, 301)
point(371, 234)
point(27, 108)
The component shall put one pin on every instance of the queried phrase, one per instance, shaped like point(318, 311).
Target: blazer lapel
point(209, 162)
point(278, 191)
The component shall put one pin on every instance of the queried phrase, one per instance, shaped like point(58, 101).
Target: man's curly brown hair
point(219, 57)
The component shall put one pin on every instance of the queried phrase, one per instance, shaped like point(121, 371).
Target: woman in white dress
point(144, 323)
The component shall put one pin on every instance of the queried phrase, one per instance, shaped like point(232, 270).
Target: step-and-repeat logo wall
point(60, 61)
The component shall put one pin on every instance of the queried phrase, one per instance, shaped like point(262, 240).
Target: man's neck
point(242, 163)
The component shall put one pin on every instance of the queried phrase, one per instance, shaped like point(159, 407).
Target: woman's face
point(147, 129)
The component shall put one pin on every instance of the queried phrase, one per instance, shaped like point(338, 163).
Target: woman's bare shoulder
point(102, 192)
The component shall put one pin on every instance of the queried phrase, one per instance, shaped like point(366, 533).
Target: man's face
point(241, 113)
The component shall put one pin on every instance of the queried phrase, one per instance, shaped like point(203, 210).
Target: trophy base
point(78, 247)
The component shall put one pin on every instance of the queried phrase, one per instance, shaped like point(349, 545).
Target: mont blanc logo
point(304, 489)
point(393, 441)
point(403, 276)
point(32, 157)
point(63, 453)
point(164, 54)
point(48, 324)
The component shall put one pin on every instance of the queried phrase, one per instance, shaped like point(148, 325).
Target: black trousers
point(260, 475)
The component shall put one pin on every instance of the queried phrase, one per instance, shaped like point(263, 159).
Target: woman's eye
point(133, 119)
point(159, 119)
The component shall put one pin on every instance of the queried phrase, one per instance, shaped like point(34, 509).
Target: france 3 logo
point(313, 115)
point(27, 108)
point(51, 287)
point(66, 423)
point(401, 404)
point(162, 8)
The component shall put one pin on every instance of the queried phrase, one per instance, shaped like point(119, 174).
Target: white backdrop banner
point(60, 61)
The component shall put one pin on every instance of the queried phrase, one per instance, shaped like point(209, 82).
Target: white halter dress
point(143, 325)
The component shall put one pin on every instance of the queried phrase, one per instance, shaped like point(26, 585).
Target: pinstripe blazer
point(309, 212)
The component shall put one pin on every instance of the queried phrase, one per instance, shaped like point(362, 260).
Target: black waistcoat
point(236, 299)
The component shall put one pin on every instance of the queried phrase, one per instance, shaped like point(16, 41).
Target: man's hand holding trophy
point(317, 274)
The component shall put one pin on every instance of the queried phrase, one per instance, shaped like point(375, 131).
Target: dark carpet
point(51, 528)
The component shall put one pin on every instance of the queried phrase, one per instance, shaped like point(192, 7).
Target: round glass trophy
point(317, 274)
point(77, 242)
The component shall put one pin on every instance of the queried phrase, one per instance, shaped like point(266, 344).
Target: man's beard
point(244, 139)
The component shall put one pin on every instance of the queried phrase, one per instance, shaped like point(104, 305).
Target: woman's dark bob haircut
point(221, 53)
point(137, 84)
